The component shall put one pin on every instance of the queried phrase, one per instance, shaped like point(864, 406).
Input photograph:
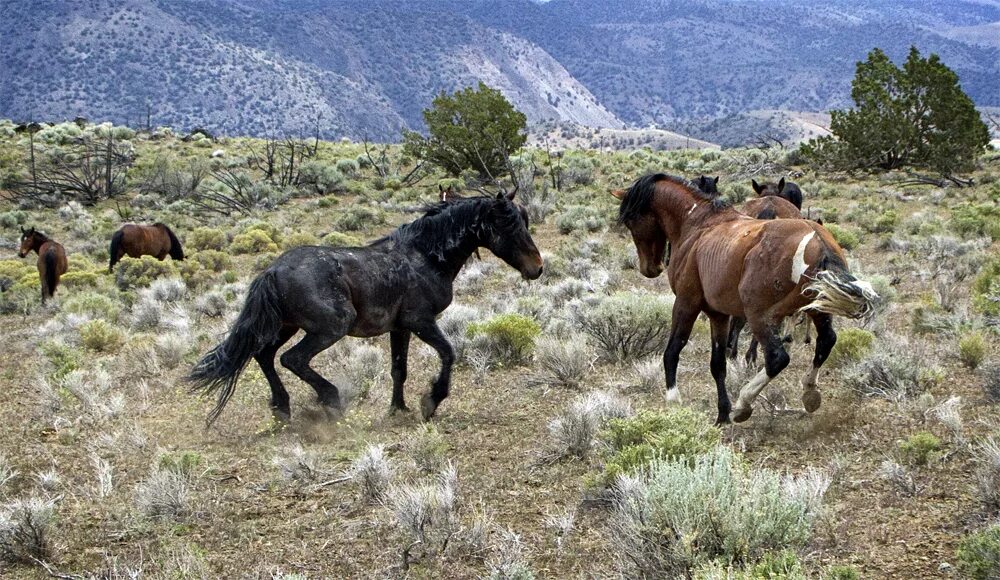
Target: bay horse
point(783, 189)
point(727, 264)
point(396, 285)
point(141, 240)
point(52, 262)
point(765, 208)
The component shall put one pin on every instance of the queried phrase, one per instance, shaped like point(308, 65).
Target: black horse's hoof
point(811, 400)
point(394, 409)
point(723, 419)
point(427, 407)
point(281, 416)
point(740, 415)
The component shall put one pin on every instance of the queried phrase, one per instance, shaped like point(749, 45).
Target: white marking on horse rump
point(690, 211)
point(799, 265)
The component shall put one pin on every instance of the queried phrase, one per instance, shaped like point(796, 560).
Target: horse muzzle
point(652, 271)
point(21, 254)
point(533, 271)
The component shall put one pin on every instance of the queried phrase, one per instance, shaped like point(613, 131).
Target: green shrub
point(20, 299)
point(846, 238)
point(579, 218)
point(359, 217)
point(634, 442)
point(300, 239)
point(509, 337)
point(348, 167)
point(853, 344)
point(627, 325)
point(784, 565)
point(98, 335)
point(253, 242)
point(920, 448)
point(11, 219)
point(328, 201)
point(64, 358)
point(271, 230)
point(986, 288)
point(213, 260)
point(320, 177)
point(138, 273)
point(180, 462)
point(78, 279)
point(972, 349)
point(680, 514)
point(976, 220)
point(341, 240)
point(979, 554)
point(93, 304)
point(206, 239)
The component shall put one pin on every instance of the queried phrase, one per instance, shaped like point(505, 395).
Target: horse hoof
point(394, 409)
point(281, 416)
point(741, 414)
point(427, 407)
point(722, 419)
point(811, 400)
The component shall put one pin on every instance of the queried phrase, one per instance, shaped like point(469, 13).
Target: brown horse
point(726, 264)
point(52, 262)
point(771, 207)
point(137, 240)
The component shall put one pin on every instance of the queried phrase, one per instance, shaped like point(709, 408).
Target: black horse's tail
point(116, 246)
point(51, 276)
point(257, 326)
point(176, 251)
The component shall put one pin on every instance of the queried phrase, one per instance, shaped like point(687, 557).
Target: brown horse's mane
point(639, 196)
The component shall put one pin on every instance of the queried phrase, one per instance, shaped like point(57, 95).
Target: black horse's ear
point(781, 185)
point(756, 186)
point(22, 228)
point(716, 180)
point(510, 196)
point(819, 220)
point(501, 196)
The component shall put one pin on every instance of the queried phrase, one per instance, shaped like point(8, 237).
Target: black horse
point(782, 189)
point(396, 285)
point(707, 184)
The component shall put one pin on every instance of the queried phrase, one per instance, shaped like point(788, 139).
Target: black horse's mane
point(639, 195)
point(446, 225)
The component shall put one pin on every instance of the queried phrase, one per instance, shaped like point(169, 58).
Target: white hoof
point(674, 395)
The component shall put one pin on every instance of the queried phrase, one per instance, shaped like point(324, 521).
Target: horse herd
point(754, 267)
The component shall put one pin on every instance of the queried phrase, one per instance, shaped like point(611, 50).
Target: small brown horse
point(52, 262)
point(726, 264)
point(137, 240)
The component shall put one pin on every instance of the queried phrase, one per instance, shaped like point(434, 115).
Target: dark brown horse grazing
point(137, 240)
point(726, 264)
point(788, 191)
point(52, 262)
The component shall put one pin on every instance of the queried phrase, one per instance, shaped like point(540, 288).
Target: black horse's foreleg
point(280, 402)
point(433, 336)
point(825, 339)
point(399, 342)
point(682, 321)
point(720, 336)
point(297, 359)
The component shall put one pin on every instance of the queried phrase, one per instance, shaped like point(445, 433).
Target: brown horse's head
point(509, 237)
point(786, 190)
point(28, 242)
point(650, 239)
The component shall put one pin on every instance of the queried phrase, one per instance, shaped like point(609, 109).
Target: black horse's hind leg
point(280, 403)
point(433, 336)
point(735, 329)
point(683, 320)
point(720, 335)
point(399, 342)
point(825, 339)
point(775, 360)
point(297, 359)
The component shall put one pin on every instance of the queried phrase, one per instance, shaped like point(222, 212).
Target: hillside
point(284, 66)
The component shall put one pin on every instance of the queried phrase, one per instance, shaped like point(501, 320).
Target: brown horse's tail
point(116, 248)
point(835, 291)
point(257, 326)
point(51, 274)
point(176, 251)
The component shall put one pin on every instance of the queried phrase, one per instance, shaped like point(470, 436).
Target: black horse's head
point(507, 236)
point(707, 184)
